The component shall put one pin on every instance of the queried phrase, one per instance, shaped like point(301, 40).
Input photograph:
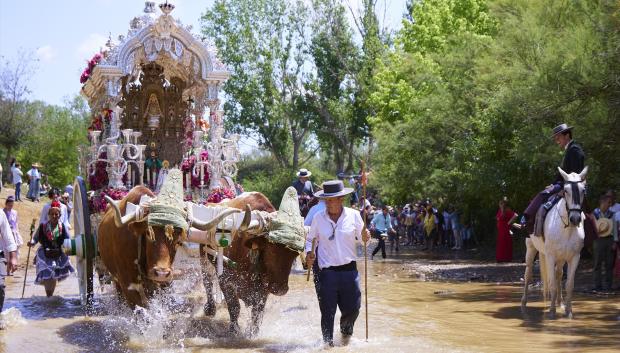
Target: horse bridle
point(574, 185)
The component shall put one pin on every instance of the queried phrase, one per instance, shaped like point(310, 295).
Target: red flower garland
point(217, 195)
point(94, 61)
point(98, 203)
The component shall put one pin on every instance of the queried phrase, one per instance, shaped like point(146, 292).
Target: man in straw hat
point(573, 162)
point(337, 230)
point(303, 185)
point(603, 247)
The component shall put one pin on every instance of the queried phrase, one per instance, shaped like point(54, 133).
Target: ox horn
point(206, 226)
point(247, 218)
point(118, 219)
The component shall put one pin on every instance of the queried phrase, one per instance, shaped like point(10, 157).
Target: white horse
point(562, 243)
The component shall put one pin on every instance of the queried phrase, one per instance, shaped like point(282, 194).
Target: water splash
point(12, 318)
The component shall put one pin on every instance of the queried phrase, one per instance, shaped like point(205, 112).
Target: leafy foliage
point(54, 140)
point(261, 173)
point(15, 117)
point(467, 99)
point(264, 44)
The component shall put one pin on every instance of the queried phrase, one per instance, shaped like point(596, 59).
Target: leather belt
point(351, 266)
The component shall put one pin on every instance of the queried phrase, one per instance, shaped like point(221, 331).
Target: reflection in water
point(406, 315)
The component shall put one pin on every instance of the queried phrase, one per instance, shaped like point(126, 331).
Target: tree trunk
point(339, 160)
point(296, 145)
point(350, 161)
point(9, 152)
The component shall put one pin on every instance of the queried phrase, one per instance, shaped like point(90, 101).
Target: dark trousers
point(409, 232)
point(18, 191)
point(538, 200)
point(381, 245)
point(603, 261)
point(2, 276)
point(338, 289)
point(316, 272)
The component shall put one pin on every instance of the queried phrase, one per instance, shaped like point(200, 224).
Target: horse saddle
point(539, 222)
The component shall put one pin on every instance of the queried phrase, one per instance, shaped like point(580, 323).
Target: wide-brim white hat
point(304, 173)
point(333, 188)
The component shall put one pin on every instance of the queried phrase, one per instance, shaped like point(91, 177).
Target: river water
point(405, 315)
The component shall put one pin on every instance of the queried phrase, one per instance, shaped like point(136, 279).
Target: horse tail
point(544, 276)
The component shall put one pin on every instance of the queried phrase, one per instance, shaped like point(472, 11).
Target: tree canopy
point(467, 99)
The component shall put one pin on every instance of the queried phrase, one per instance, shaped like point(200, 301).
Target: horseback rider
point(303, 185)
point(573, 162)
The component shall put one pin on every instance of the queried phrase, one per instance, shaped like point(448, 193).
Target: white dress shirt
point(341, 250)
point(7, 240)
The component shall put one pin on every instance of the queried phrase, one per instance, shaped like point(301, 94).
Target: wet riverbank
point(476, 265)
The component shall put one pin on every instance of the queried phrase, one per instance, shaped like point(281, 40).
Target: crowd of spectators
point(418, 224)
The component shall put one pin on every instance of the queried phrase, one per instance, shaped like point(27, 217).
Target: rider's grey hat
point(333, 188)
point(561, 129)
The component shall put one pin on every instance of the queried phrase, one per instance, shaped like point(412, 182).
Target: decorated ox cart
point(159, 155)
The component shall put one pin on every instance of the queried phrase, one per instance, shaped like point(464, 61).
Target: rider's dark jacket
point(573, 162)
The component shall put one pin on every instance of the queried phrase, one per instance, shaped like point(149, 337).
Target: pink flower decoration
point(94, 61)
point(219, 194)
point(98, 204)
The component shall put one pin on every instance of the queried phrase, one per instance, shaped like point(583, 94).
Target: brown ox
point(126, 253)
point(249, 282)
point(138, 264)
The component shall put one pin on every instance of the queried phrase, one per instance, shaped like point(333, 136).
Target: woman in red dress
point(505, 216)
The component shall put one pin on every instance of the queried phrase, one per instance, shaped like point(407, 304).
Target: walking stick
point(364, 181)
point(34, 221)
point(311, 252)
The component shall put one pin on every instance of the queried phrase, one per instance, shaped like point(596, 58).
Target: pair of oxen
point(140, 257)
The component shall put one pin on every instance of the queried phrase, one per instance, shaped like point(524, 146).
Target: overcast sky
point(64, 34)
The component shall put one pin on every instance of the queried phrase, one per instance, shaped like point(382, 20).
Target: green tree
point(59, 130)
point(552, 62)
point(331, 94)
point(425, 102)
point(15, 117)
point(466, 101)
point(264, 43)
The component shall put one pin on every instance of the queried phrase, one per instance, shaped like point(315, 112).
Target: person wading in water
point(338, 230)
